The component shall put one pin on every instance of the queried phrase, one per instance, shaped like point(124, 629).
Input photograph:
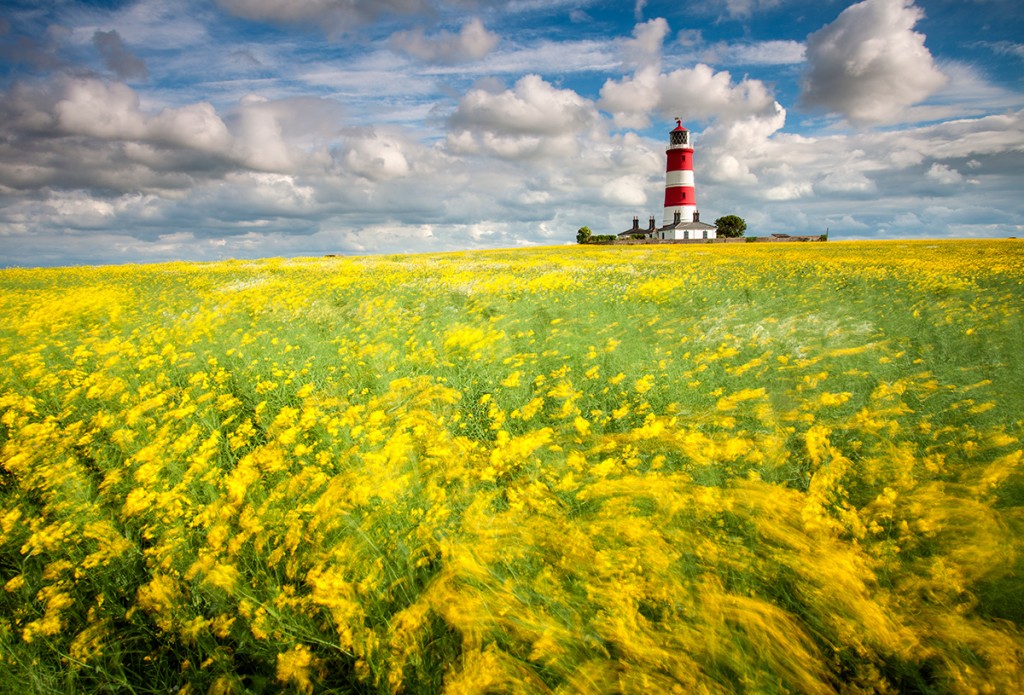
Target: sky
point(156, 130)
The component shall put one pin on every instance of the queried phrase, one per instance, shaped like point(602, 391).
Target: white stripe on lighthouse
point(683, 177)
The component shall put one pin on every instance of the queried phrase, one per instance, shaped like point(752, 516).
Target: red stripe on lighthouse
point(679, 160)
point(680, 195)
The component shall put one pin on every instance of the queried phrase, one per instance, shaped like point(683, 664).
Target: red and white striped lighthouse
point(679, 192)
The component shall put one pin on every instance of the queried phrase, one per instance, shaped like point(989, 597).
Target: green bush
point(731, 226)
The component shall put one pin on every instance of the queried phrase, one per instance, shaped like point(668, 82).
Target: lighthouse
point(679, 192)
point(681, 221)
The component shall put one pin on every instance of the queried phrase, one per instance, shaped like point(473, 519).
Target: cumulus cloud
point(533, 118)
point(696, 93)
point(690, 93)
point(261, 141)
point(533, 106)
point(107, 110)
point(193, 126)
point(88, 108)
point(869, 65)
point(859, 185)
point(117, 57)
point(845, 180)
point(630, 190)
point(729, 168)
point(471, 43)
point(644, 48)
point(91, 133)
point(377, 156)
point(940, 173)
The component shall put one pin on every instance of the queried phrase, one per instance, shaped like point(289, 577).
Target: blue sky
point(146, 130)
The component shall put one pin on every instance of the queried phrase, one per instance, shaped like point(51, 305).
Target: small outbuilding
point(685, 231)
point(635, 230)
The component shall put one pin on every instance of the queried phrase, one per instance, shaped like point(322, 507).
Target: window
point(686, 235)
point(705, 234)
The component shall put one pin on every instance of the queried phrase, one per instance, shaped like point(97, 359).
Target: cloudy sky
point(148, 130)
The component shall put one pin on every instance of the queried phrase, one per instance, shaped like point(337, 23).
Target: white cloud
point(89, 133)
point(969, 137)
point(788, 191)
point(845, 180)
point(847, 222)
point(695, 93)
point(967, 93)
point(533, 118)
point(1010, 48)
point(858, 183)
point(99, 109)
point(377, 157)
point(746, 132)
point(645, 46)
point(263, 194)
point(261, 144)
point(940, 173)
point(195, 126)
point(632, 99)
point(630, 191)
point(471, 43)
point(904, 158)
point(111, 111)
point(756, 53)
point(728, 168)
point(869, 65)
point(400, 154)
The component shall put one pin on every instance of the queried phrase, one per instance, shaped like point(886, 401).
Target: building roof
point(696, 226)
point(637, 229)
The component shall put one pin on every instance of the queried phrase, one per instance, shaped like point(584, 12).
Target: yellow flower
point(582, 426)
point(644, 384)
point(294, 666)
point(512, 380)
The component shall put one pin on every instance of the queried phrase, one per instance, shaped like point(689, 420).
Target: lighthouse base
point(686, 213)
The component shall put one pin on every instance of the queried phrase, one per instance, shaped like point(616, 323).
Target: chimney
point(636, 222)
point(696, 215)
point(651, 227)
point(678, 217)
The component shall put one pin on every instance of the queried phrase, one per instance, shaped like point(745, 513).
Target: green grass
point(755, 467)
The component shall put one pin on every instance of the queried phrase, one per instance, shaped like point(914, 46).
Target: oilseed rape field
point(765, 468)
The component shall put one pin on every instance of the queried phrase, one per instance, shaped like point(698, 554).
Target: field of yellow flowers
point(693, 469)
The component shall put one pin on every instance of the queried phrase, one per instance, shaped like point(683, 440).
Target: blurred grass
point(760, 468)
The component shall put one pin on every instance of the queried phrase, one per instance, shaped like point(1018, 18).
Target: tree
point(731, 226)
point(583, 235)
